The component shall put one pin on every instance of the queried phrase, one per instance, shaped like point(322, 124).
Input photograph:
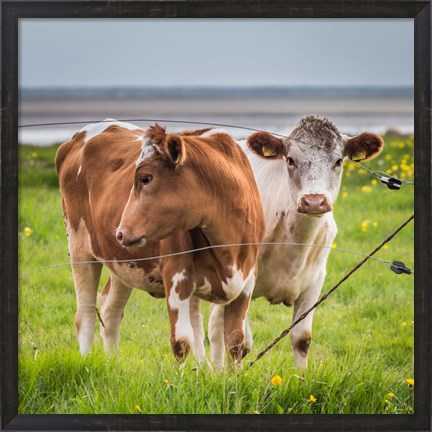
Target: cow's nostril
point(119, 236)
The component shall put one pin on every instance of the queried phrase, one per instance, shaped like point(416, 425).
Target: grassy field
point(361, 353)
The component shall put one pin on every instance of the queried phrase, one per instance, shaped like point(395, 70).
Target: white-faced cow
point(299, 179)
point(130, 194)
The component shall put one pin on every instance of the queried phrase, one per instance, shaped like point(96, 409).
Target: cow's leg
point(234, 327)
point(301, 334)
point(248, 337)
point(216, 334)
point(102, 296)
point(86, 279)
point(179, 292)
point(198, 329)
point(112, 312)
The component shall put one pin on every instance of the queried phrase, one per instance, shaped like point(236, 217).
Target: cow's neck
point(302, 228)
point(230, 230)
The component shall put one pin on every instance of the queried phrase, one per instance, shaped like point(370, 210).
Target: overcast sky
point(181, 52)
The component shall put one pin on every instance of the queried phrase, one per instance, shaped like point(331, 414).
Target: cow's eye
point(145, 179)
point(338, 162)
point(290, 161)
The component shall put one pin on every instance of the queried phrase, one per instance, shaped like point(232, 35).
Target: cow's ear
point(175, 149)
point(266, 145)
point(363, 147)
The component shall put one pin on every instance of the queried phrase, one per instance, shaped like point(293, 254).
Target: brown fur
point(304, 342)
point(212, 185)
point(259, 141)
point(365, 146)
point(233, 322)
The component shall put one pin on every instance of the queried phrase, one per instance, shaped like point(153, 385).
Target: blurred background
point(263, 74)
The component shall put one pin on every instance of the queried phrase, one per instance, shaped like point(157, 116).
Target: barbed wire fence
point(392, 182)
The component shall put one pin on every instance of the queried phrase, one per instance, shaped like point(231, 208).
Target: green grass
point(362, 346)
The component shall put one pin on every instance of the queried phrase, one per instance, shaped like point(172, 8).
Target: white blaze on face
point(183, 327)
point(147, 150)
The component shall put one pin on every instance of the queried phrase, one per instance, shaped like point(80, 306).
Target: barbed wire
point(392, 182)
point(67, 264)
point(336, 286)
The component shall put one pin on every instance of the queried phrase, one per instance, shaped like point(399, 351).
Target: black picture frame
point(12, 11)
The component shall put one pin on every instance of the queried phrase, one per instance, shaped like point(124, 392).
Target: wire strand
point(66, 264)
point(334, 288)
point(380, 174)
point(374, 173)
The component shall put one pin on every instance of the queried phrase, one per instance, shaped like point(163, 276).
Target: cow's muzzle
point(126, 239)
point(314, 204)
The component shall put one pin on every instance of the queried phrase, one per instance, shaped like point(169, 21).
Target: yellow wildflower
point(366, 189)
point(276, 380)
point(137, 408)
point(388, 157)
point(404, 324)
point(312, 398)
point(255, 412)
point(394, 167)
point(385, 246)
point(390, 395)
point(410, 382)
point(333, 246)
point(374, 224)
point(27, 231)
point(167, 382)
point(374, 182)
point(344, 194)
point(364, 225)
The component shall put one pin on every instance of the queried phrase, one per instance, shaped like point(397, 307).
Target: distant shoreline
point(275, 110)
point(361, 92)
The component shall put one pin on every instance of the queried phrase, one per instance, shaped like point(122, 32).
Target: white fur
point(198, 330)
point(293, 274)
point(271, 177)
point(234, 284)
point(216, 335)
point(147, 150)
point(183, 327)
point(95, 129)
point(86, 282)
point(112, 313)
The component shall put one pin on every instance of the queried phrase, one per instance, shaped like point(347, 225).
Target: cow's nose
point(314, 204)
point(126, 238)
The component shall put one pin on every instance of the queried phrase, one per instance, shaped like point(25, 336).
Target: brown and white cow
point(299, 179)
point(129, 194)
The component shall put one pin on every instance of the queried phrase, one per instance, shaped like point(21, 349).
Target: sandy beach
point(353, 112)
